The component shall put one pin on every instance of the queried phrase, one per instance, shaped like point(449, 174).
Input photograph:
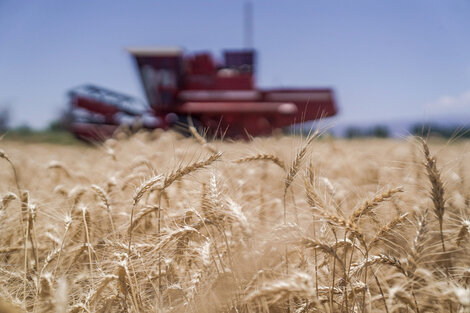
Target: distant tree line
point(379, 131)
point(4, 119)
point(423, 130)
point(58, 125)
point(447, 132)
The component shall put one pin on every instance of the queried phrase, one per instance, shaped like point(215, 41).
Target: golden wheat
point(233, 233)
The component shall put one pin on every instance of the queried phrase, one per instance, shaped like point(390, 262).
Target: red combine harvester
point(219, 97)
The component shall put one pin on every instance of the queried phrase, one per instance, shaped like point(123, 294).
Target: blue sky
point(400, 59)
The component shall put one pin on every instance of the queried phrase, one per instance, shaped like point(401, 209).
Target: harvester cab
point(161, 73)
point(168, 76)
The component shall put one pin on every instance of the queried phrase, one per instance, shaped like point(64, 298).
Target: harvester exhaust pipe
point(248, 25)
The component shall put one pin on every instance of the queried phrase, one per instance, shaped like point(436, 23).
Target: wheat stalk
point(142, 213)
point(86, 224)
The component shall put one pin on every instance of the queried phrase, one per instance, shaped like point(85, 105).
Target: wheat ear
point(418, 242)
point(104, 199)
point(367, 207)
point(312, 243)
point(3, 155)
point(178, 233)
point(278, 290)
point(263, 157)
point(146, 186)
point(351, 227)
point(386, 229)
point(295, 166)
point(76, 194)
point(190, 168)
point(464, 231)
point(437, 189)
point(123, 280)
point(202, 140)
point(59, 166)
point(6, 199)
point(313, 198)
point(380, 259)
point(101, 287)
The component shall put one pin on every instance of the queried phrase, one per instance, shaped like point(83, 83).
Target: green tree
point(380, 131)
point(353, 132)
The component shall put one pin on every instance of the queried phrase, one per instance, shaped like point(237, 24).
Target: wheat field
point(158, 222)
